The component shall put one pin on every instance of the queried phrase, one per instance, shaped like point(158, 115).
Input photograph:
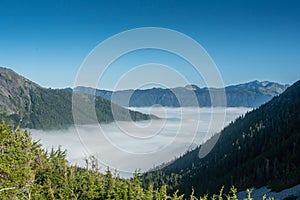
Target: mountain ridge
point(26, 104)
point(250, 94)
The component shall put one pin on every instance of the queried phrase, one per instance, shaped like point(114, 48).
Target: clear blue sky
point(46, 41)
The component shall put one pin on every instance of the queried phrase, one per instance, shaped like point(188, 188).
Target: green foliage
point(17, 156)
point(232, 194)
point(29, 172)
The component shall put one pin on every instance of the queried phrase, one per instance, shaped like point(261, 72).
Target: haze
point(127, 146)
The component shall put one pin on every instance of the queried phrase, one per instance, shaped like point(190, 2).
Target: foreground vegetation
point(29, 172)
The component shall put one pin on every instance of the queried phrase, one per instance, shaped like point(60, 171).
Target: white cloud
point(127, 146)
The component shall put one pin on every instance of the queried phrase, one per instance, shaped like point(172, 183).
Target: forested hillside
point(261, 148)
point(28, 105)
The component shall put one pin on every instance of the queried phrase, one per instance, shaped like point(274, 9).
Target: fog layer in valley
point(127, 146)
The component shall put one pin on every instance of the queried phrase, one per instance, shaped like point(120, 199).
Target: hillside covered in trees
point(28, 105)
point(258, 149)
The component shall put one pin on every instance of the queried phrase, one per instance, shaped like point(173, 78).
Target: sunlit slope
point(28, 105)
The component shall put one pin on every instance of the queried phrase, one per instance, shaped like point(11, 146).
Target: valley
point(150, 100)
point(153, 144)
point(165, 142)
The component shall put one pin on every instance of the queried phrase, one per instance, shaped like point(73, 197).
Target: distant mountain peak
point(191, 87)
point(262, 87)
point(263, 83)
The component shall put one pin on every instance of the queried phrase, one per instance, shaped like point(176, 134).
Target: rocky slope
point(28, 105)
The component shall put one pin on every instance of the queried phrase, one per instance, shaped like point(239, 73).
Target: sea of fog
point(127, 146)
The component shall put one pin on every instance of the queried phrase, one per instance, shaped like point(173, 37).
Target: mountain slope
point(251, 94)
point(261, 148)
point(28, 105)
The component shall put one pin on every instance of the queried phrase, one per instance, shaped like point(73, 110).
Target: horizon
point(183, 86)
point(154, 87)
point(48, 42)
